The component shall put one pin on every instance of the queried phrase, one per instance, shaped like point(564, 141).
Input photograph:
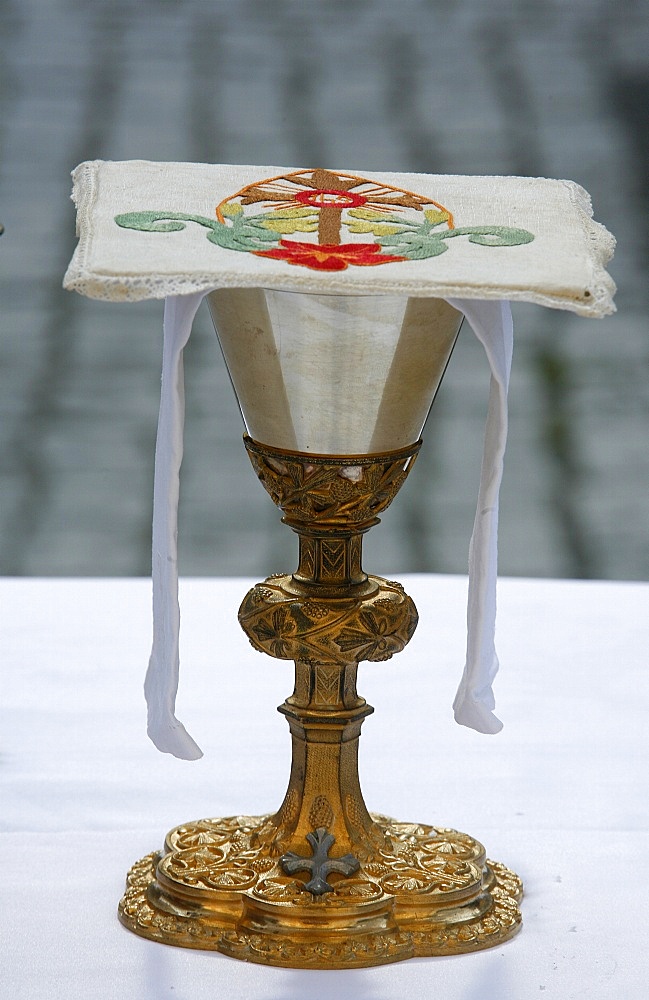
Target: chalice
point(334, 391)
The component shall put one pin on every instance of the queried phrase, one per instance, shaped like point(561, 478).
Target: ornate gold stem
point(328, 616)
point(322, 883)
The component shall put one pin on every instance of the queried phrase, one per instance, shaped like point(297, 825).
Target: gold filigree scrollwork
point(418, 890)
point(338, 490)
point(415, 911)
point(285, 626)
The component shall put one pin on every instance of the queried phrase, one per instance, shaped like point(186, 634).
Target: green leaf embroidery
point(494, 236)
point(421, 243)
point(244, 234)
point(414, 241)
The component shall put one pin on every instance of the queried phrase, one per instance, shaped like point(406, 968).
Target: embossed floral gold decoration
point(370, 890)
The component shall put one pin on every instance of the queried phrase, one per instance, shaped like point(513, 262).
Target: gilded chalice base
point(426, 891)
point(322, 884)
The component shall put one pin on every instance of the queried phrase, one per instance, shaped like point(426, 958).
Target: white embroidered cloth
point(139, 227)
point(562, 266)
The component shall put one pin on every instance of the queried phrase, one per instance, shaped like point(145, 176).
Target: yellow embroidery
point(292, 220)
point(368, 214)
point(436, 217)
point(231, 209)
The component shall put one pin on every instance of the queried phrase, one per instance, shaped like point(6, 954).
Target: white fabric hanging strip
point(161, 684)
point(474, 703)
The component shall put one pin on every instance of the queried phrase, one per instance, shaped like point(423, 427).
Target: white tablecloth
point(560, 795)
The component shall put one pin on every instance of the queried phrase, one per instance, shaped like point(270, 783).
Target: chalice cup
point(334, 392)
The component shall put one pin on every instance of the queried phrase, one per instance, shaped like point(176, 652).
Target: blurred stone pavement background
point(556, 88)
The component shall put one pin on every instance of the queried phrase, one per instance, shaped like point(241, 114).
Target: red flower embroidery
point(328, 256)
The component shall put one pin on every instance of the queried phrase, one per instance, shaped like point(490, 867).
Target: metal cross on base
point(320, 865)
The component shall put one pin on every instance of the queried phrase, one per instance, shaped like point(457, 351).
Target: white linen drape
point(161, 683)
point(474, 702)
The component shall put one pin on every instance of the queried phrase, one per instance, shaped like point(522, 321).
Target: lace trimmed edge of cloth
point(81, 278)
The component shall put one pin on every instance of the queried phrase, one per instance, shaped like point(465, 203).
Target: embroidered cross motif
point(320, 865)
point(330, 210)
